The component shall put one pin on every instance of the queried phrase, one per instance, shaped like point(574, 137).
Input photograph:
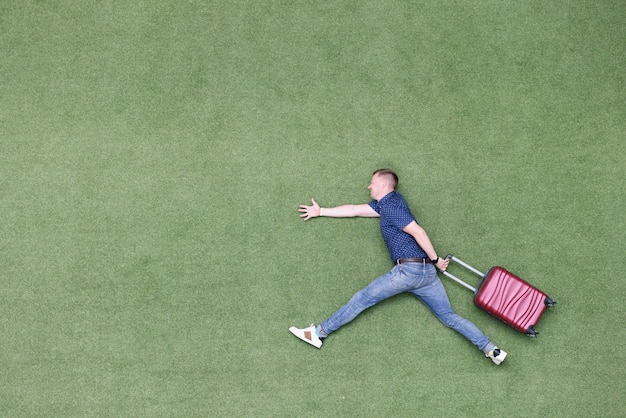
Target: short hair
point(391, 176)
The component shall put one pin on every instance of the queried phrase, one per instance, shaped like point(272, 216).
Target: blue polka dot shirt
point(395, 215)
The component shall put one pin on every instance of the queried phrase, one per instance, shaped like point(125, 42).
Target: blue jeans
point(417, 278)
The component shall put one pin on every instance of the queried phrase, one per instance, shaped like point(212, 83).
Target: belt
point(413, 260)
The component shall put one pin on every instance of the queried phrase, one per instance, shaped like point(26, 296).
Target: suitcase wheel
point(531, 332)
point(549, 302)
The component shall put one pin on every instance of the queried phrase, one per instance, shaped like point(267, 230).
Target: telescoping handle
point(467, 266)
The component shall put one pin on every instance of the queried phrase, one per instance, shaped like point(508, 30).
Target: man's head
point(383, 182)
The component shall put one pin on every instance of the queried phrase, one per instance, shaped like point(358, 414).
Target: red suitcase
point(507, 297)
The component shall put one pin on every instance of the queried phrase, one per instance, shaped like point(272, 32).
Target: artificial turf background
point(153, 155)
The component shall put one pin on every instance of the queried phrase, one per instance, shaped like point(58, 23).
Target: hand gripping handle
point(456, 279)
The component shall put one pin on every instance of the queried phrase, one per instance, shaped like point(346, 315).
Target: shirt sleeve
point(399, 216)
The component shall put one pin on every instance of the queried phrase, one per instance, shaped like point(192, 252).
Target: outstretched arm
point(343, 211)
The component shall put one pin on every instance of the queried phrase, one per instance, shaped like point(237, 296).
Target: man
point(415, 262)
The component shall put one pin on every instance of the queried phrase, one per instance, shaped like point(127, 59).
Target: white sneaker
point(497, 355)
point(308, 335)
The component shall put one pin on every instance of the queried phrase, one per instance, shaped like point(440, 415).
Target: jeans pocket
point(405, 279)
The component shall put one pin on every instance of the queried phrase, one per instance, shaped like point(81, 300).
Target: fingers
point(304, 209)
point(309, 211)
point(442, 264)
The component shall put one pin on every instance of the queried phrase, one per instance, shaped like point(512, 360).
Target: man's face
point(377, 187)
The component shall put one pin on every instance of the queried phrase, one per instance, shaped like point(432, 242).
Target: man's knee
point(365, 299)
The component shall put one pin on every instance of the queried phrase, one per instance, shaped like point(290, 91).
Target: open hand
point(309, 212)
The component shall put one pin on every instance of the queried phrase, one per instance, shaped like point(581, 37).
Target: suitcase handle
point(464, 264)
point(456, 279)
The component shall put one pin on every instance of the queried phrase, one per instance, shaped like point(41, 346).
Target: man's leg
point(380, 289)
point(433, 294)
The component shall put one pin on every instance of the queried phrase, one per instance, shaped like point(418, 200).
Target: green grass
point(153, 156)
